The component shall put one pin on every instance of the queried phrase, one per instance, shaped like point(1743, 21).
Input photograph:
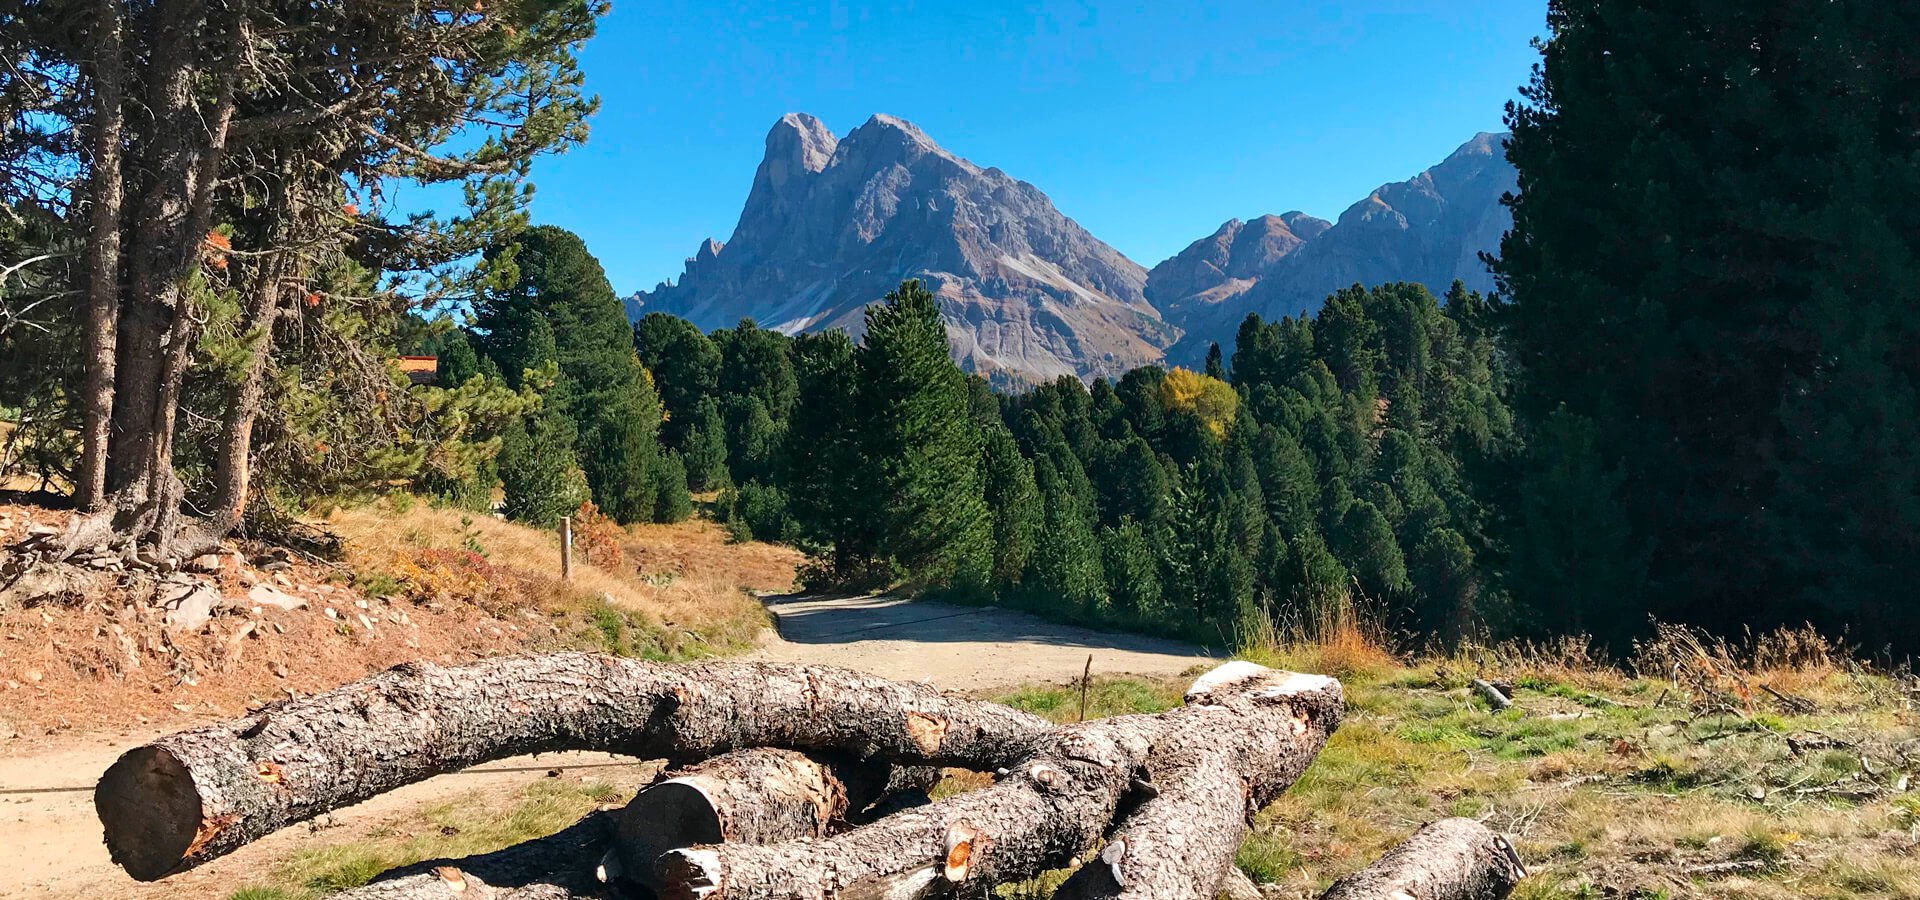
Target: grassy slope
point(1609, 784)
point(677, 591)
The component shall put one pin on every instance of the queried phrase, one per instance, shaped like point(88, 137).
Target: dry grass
point(681, 589)
point(1681, 778)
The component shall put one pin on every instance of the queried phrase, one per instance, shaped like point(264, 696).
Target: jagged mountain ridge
point(831, 225)
point(1430, 229)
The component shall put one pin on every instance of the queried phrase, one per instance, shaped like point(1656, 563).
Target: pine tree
point(830, 484)
point(1366, 540)
point(607, 394)
point(1216, 368)
point(686, 368)
point(1725, 372)
point(671, 502)
point(538, 473)
point(1132, 573)
point(1008, 487)
point(922, 444)
point(1065, 575)
point(703, 446)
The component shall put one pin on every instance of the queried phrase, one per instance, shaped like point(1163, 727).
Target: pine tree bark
point(105, 190)
point(233, 469)
point(199, 794)
point(1452, 859)
point(1245, 734)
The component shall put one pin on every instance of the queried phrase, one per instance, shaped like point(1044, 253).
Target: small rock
point(277, 668)
point(210, 563)
point(366, 622)
point(330, 613)
point(268, 595)
point(34, 675)
point(191, 608)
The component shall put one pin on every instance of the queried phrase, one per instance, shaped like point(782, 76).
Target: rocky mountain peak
point(831, 225)
point(798, 144)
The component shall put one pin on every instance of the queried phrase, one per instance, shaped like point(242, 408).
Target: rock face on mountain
point(833, 224)
point(1430, 229)
point(1229, 263)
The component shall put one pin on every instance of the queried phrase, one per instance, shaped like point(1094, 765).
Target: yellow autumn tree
point(1208, 399)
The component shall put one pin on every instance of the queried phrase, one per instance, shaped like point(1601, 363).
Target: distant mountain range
point(1431, 229)
point(831, 225)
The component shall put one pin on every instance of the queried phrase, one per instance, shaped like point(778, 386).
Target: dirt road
point(52, 839)
point(963, 648)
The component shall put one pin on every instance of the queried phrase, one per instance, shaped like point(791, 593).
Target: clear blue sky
point(1149, 126)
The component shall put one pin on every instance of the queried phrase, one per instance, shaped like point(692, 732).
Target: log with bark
point(1452, 859)
point(775, 762)
point(199, 794)
point(1182, 786)
point(758, 796)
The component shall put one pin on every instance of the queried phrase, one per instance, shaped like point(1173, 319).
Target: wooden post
point(566, 548)
point(1086, 681)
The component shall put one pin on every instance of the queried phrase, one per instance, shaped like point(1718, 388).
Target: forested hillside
point(1324, 471)
point(1693, 395)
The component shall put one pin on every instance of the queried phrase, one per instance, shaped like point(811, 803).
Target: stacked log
point(788, 783)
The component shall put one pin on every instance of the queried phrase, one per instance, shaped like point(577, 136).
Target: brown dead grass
point(678, 576)
point(1681, 778)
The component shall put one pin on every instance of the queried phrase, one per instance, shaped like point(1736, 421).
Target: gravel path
point(958, 647)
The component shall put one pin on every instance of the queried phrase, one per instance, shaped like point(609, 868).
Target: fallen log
point(757, 796)
point(1496, 698)
point(199, 794)
point(1245, 734)
point(1452, 859)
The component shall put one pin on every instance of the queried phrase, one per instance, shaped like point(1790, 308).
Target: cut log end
point(151, 810)
point(673, 814)
point(688, 874)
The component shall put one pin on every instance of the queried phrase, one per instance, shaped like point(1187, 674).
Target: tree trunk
point(1452, 859)
point(1246, 729)
point(233, 468)
point(199, 794)
point(165, 168)
point(758, 796)
point(104, 192)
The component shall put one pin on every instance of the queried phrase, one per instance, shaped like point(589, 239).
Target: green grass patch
point(463, 826)
point(1105, 697)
